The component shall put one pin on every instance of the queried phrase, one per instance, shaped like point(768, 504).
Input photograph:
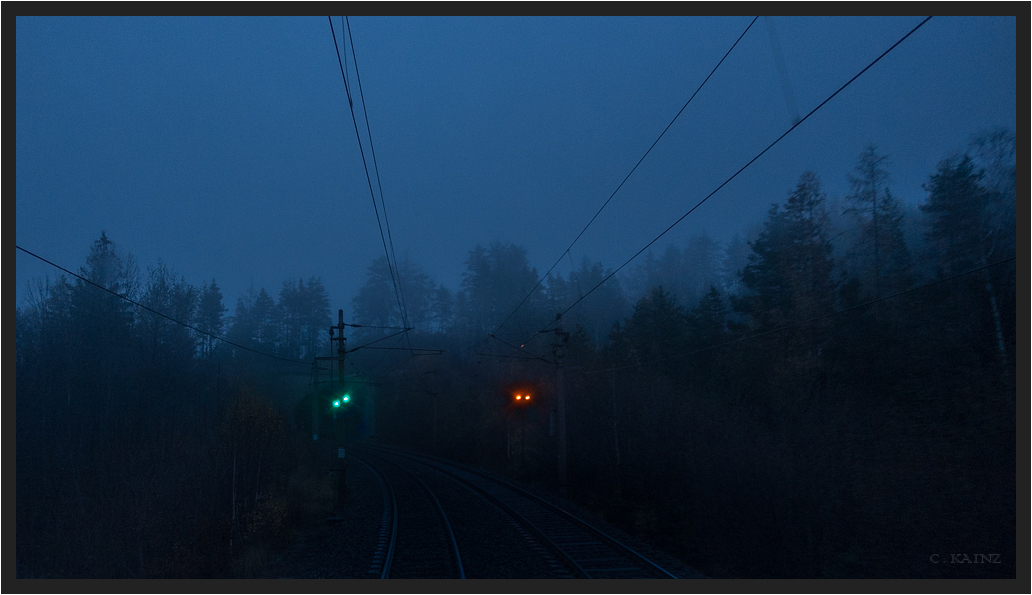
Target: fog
point(773, 258)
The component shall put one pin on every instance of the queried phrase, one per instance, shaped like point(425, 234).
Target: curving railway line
point(416, 539)
point(442, 520)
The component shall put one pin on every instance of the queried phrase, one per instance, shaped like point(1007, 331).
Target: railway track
point(582, 549)
point(416, 539)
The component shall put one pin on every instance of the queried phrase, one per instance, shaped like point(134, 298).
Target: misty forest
point(828, 394)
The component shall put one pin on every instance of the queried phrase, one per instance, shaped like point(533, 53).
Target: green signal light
point(336, 403)
point(347, 398)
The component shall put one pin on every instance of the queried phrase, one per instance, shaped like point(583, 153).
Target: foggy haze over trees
point(819, 396)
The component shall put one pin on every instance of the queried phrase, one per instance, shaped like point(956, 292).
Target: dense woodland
point(829, 394)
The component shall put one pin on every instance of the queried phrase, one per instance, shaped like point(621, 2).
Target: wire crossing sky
point(622, 182)
point(213, 145)
point(795, 124)
point(392, 268)
point(158, 313)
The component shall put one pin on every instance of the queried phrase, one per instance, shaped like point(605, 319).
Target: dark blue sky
point(225, 147)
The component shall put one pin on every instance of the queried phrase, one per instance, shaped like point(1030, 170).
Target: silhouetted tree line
point(832, 397)
point(146, 449)
point(829, 394)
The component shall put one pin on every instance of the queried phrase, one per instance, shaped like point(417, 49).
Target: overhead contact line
point(633, 169)
point(744, 167)
point(376, 169)
point(365, 167)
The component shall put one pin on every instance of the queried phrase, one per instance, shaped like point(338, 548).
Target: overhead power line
point(365, 167)
point(514, 357)
point(627, 177)
point(743, 168)
point(520, 348)
point(413, 350)
point(162, 314)
point(376, 170)
point(385, 337)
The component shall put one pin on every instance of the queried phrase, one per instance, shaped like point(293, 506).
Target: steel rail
point(612, 541)
point(390, 509)
point(440, 510)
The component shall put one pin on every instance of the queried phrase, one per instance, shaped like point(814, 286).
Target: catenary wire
point(376, 170)
point(627, 177)
point(391, 328)
point(378, 340)
point(743, 168)
point(365, 167)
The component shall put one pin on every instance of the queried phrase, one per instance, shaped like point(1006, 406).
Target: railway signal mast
point(338, 402)
point(341, 341)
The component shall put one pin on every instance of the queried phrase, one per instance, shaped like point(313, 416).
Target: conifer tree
point(789, 275)
point(210, 316)
point(879, 252)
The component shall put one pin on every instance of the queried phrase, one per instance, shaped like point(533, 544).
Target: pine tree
point(241, 327)
point(267, 334)
point(442, 309)
point(708, 319)
point(880, 253)
point(606, 306)
point(375, 304)
point(657, 328)
point(701, 262)
point(168, 342)
point(101, 322)
point(289, 312)
point(416, 293)
point(255, 321)
point(210, 317)
point(968, 226)
point(495, 282)
point(955, 208)
point(789, 275)
point(315, 317)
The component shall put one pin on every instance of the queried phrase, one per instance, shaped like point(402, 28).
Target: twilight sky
point(224, 146)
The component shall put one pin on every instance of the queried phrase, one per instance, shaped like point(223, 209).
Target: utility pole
point(523, 444)
point(339, 425)
point(559, 347)
point(341, 347)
